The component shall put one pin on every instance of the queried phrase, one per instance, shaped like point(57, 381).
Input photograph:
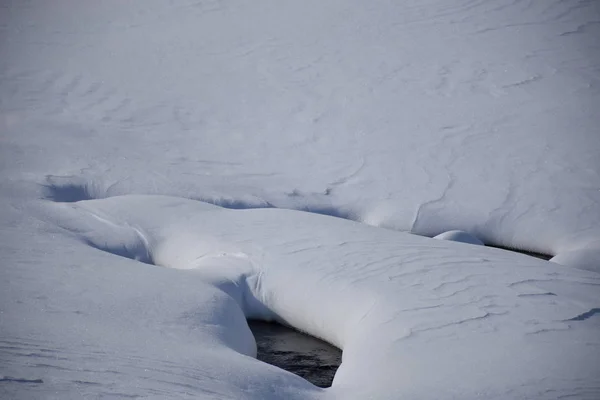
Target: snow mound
point(459, 236)
point(398, 305)
point(587, 257)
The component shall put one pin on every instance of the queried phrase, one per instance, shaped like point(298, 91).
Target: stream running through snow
point(296, 352)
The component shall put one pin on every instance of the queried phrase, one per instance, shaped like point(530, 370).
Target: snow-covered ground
point(158, 159)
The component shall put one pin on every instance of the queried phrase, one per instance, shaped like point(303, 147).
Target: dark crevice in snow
point(586, 315)
point(304, 355)
point(20, 380)
point(235, 204)
point(527, 253)
point(536, 294)
point(256, 203)
point(328, 210)
point(68, 193)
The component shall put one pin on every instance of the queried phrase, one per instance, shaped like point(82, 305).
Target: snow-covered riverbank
point(170, 169)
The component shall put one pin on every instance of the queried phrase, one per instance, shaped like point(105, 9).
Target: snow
point(164, 165)
point(584, 257)
point(459, 236)
point(398, 305)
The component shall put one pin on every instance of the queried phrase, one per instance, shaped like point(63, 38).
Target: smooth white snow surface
point(121, 121)
point(459, 236)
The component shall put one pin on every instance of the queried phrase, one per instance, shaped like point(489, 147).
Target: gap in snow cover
point(527, 253)
point(296, 352)
point(67, 193)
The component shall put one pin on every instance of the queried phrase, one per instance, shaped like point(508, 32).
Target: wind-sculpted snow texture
point(415, 317)
point(425, 116)
point(162, 165)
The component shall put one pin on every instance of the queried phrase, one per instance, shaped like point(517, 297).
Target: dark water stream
point(296, 352)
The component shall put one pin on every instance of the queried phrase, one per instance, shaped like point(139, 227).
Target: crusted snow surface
point(162, 165)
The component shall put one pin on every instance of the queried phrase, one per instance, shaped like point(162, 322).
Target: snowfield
point(170, 169)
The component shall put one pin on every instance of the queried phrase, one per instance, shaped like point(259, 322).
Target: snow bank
point(585, 257)
point(459, 236)
point(412, 315)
